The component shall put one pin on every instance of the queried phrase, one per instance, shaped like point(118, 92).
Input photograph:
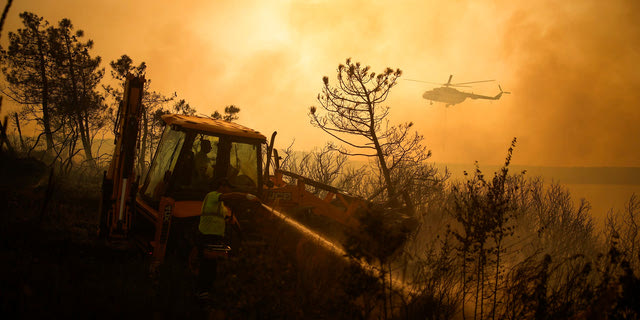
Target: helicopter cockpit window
point(242, 173)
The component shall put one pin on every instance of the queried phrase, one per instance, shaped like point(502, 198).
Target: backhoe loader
point(195, 156)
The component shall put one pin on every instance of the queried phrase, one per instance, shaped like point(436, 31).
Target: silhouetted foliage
point(76, 96)
point(623, 229)
point(230, 114)
point(28, 70)
point(485, 211)
point(381, 233)
point(524, 251)
point(183, 107)
point(50, 70)
point(500, 247)
point(323, 165)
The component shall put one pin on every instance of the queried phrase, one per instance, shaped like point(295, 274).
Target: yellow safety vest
point(212, 215)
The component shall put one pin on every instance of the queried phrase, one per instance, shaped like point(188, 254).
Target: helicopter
point(452, 96)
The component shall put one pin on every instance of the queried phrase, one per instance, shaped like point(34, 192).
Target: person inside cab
point(202, 160)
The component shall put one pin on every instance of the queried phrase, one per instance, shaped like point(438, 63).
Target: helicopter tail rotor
point(499, 95)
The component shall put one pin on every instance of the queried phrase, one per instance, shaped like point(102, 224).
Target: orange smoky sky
point(572, 66)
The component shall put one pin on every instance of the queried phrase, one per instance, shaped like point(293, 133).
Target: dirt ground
point(53, 265)
point(52, 274)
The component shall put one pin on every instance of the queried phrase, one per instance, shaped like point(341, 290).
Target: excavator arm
point(120, 182)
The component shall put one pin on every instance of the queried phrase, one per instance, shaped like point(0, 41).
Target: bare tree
point(27, 68)
point(324, 165)
point(623, 229)
point(352, 112)
point(486, 211)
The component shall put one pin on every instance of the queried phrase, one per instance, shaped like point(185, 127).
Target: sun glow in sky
point(572, 67)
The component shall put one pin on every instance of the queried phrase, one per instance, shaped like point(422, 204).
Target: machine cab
point(197, 155)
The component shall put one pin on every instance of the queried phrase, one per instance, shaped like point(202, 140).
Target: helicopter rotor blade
point(449, 84)
point(422, 81)
point(456, 84)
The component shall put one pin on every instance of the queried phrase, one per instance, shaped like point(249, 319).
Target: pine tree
point(28, 70)
point(353, 113)
point(78, 75)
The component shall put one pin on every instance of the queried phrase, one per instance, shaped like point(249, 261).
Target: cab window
point(195, 171)
point(242, 173)
point(164, 162)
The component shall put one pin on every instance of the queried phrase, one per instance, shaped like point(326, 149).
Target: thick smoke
point(575, 81)
point(571, 66)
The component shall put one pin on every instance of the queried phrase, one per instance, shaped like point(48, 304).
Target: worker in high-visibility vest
point(213, 215)
point(212, 230)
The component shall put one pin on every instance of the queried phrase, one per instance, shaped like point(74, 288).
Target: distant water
point(606, 188)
